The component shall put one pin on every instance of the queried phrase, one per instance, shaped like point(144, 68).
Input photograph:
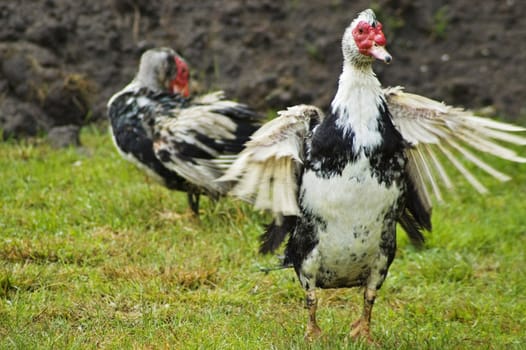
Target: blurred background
point(60, 61)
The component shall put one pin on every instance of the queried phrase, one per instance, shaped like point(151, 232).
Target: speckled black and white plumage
point(352, 185)
point(175, 139)
point(350, 202)
point(338, 184)
point(133, 139)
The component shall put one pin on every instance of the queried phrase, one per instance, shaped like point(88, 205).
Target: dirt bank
point(62, 60)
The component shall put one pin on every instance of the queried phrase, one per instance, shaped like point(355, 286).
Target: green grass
point(94, 255)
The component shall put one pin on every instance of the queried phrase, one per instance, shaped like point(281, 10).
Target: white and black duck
point(338, 184)
point(174, 137)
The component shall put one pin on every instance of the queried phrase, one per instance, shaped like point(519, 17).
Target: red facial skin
point(180, 83)
point(367, 36)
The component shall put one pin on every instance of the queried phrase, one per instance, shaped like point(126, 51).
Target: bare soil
point(61, 60)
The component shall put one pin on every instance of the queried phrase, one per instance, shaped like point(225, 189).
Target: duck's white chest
point(354, 209)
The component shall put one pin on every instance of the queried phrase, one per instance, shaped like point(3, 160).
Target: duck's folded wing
point(433, 128)
point(266, 172)
point(189, 140)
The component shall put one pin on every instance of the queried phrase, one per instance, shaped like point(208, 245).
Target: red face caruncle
point(182, 77)
point(366, 36)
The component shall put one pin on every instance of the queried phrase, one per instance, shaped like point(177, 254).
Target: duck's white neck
point(146, 79)
point(133, 86)
point(140, 81)
point(357, 105)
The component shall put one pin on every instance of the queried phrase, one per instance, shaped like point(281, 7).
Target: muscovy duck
point(338, 184)
point(174, 137)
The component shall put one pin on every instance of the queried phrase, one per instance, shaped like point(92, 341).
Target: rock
point(19, 125)
point(68, 101)
point(64, 136)
point(28, 70)
point(17, 70)
point(38, 93)
point(21, 119)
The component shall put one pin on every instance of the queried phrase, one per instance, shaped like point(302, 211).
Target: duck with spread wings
point(338, 184)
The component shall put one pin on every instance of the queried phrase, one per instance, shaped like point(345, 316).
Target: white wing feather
point(265, 173)
point(430, 125)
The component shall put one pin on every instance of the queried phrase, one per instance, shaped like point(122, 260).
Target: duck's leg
point(311, 303)
point(193, 201)
point(360, 328)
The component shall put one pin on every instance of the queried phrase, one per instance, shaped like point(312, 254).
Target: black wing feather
point(275, 234)
point(415, 217)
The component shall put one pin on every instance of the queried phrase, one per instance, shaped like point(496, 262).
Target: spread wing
point(433, 128)
point(189, 140)
point(266, 171)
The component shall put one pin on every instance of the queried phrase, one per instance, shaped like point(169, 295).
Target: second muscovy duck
point(338, 184)
point(174, 137)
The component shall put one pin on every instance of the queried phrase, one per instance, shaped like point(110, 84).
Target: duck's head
point(364, 40)
point(163, 69)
